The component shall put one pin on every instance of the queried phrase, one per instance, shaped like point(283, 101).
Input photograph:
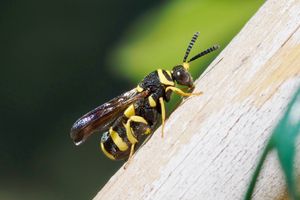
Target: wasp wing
point(102, 117)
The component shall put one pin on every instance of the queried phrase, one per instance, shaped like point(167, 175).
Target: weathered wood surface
point(212, 142)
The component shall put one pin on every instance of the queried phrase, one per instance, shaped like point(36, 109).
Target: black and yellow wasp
point(128, 118)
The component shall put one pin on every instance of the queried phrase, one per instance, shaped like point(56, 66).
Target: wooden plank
point(212, 142)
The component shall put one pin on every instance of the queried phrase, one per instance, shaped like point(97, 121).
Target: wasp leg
point(163, 115)
point(182, 93)
point(142, 129)
point(130, 156)
point(131, 152)
point(143, 126)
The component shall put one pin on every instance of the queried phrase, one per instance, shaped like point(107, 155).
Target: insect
point(130, 117)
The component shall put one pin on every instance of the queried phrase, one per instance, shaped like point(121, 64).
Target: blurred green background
point(60, 59)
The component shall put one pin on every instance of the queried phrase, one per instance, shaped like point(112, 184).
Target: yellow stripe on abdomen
point(106, 152)
point(118, 140)
point(132, 139)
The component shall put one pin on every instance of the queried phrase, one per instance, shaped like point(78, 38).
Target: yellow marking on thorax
point(106, 153)
point(129, 111)
point(139, 88)
point(163, 79)
point(152, 102)
point(169, 73)
point(118, 140)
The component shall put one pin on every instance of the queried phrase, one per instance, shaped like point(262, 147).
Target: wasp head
point(182, 76)
point(180, 73)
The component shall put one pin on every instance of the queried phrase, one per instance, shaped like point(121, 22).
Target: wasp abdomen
point(114, 144)
point(125, 132)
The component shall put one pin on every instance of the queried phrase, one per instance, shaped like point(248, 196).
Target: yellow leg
point(131, 151)
point(129, 132)
point(163, 115)
point(131, 137)
point(130, 156)
point(182, 93)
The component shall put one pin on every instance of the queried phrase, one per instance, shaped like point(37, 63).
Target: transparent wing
point(102, 117)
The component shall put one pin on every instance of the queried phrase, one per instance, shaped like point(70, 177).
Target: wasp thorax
point(182, 76)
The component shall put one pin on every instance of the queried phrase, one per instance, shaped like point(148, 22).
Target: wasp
point(130, 117)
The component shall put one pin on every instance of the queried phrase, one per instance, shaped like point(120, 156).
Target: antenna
point(203, 53)
point(192, 42)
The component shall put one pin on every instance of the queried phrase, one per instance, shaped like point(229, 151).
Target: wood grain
point(212, 142)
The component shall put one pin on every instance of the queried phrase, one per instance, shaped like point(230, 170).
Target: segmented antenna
point(187, 52)
point(203, 53)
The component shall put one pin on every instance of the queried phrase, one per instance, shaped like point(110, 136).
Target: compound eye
point(182, 76)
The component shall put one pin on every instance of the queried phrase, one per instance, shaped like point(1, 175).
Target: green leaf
point(283, 140)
